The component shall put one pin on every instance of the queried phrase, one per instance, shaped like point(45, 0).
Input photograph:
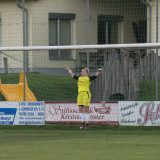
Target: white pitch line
point(138, 143)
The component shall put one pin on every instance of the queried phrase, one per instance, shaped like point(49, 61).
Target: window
point(109, 29)
point(60, 33)
point(140, 31)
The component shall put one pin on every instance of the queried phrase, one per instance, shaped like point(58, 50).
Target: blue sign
point(22, 113)
point(7, 115)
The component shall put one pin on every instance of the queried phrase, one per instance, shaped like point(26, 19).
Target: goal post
point(84, 47)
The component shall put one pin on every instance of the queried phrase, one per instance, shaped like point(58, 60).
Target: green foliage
point(147, 90)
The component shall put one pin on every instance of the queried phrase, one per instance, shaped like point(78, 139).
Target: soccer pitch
point(67, 142)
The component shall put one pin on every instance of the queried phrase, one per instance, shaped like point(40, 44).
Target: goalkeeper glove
point(99, 71)
point(68, 69)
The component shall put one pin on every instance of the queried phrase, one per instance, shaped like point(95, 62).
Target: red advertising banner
point(68, 112)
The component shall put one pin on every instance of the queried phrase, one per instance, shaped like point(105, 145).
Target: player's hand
point(66, 68)
point(99, 71)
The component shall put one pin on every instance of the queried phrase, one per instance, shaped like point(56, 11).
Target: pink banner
point(68, 112)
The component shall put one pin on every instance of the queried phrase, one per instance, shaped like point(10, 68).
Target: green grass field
point(46, 87)
point(67, 142)
point(64, 88)
point(148, 90)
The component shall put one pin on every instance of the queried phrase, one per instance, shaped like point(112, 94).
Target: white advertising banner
point(139, 113)
point(68, 112)
point(22, 113)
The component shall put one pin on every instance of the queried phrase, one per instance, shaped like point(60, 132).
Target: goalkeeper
point(84, 95)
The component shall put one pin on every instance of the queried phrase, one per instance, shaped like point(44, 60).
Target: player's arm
point(99, 71)
point(70, 72)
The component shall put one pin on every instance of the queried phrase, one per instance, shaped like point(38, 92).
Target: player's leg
point(82, 114)
point(87, 116)
point(81, 110)
point(87, 99)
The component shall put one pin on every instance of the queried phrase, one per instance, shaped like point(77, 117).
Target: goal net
point(117, 36)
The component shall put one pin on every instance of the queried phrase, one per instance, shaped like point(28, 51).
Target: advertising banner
point(139, 113)
point(68, 112)
point(22, 113)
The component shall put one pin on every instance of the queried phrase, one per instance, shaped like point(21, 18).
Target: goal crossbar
point(84, 47)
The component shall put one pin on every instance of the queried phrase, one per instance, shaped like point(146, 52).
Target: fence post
point(5, 61)
point(87, 9)
point(157, 50)
point(24, 52)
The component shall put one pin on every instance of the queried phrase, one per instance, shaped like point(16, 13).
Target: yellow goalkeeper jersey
point(84, 82)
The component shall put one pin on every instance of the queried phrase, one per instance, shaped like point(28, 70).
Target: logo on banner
point(7, 115)
point(149, 112)
point(103, 109)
